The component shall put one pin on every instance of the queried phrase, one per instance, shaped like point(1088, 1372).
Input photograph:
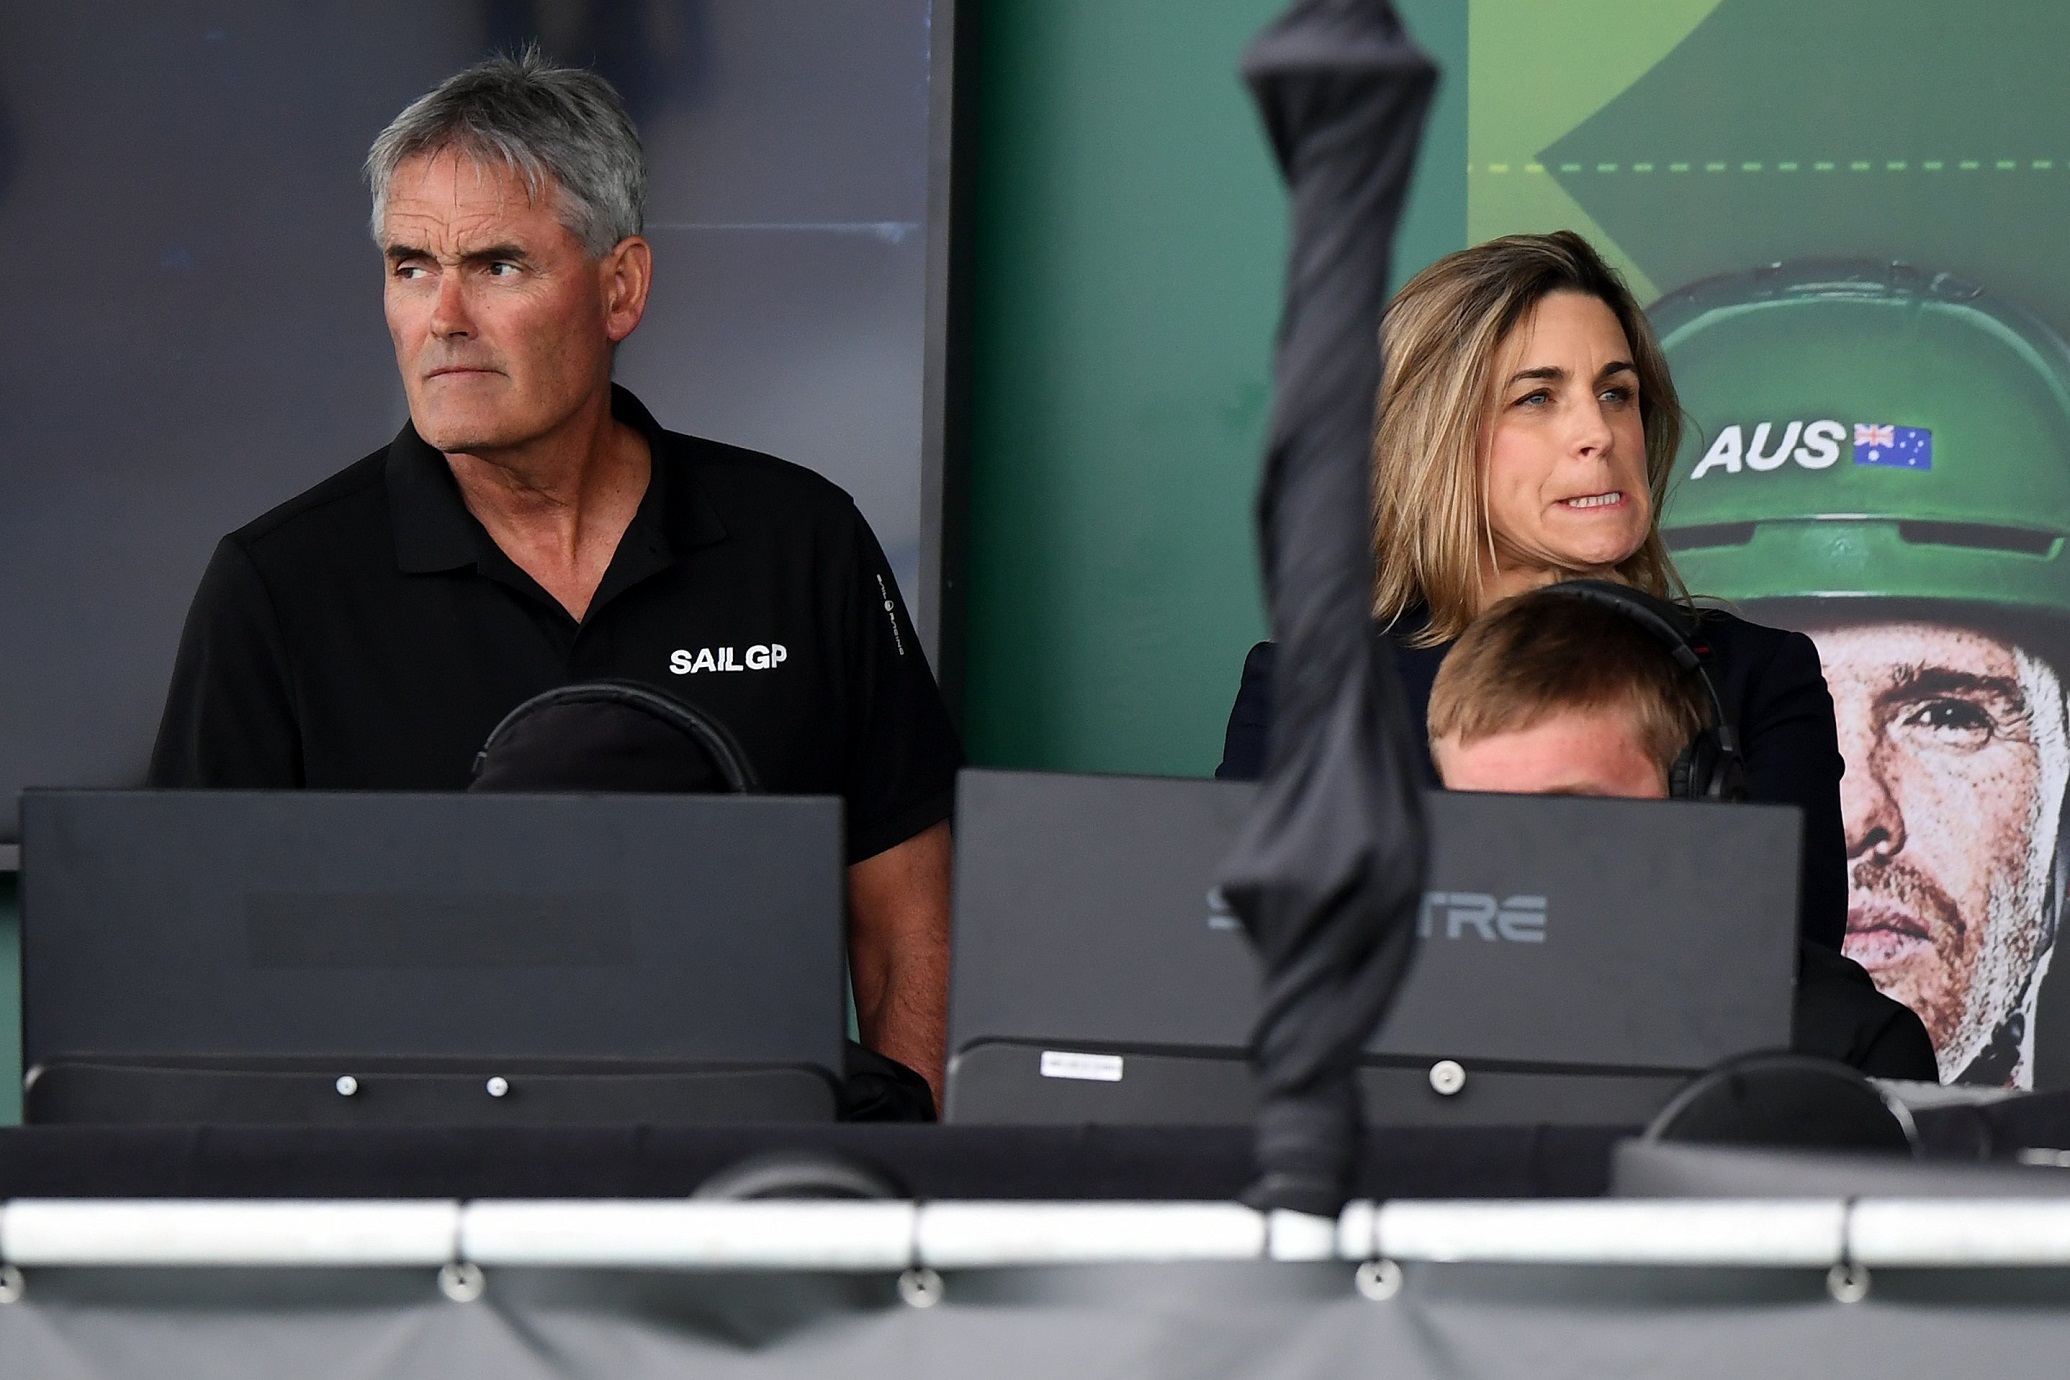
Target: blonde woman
point(1526, 428)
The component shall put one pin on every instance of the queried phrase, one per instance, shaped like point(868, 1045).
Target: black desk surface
point(650, 1161)
point(1088, 1162)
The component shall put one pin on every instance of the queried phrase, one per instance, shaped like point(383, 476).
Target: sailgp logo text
point(685, 662)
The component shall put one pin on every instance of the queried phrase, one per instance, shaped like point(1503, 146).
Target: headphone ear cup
point(1682, 775)
point(1715, 773)
point(1696, 773)
point(1731, 775)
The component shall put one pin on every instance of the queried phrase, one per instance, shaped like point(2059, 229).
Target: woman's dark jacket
point(1773, 692)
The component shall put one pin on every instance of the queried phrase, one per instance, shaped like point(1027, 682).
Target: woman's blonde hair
point(1438, 344)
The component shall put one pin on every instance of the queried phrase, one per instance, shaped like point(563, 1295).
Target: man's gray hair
point(562, 129)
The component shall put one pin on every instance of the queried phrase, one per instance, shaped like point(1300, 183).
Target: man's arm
point(898, 951)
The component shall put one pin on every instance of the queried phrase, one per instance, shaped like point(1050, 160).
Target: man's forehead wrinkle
point(482, 191)
point(469, 235)
point(461, 214)
point(459, 203)
point(489, 165)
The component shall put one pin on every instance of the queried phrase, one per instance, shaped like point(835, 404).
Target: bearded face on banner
point(1956, 762)
point(1882, 460)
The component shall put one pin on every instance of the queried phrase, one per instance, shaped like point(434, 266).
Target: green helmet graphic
point(1865, 431)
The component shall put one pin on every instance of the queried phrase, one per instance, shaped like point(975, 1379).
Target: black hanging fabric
point(1328, 871)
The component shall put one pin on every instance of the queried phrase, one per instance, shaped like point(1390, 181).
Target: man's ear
point(628, 275)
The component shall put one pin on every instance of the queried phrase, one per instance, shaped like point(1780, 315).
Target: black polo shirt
point(369, 634)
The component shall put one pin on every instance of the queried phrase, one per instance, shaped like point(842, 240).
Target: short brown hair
point(1540, 654)
point(1438, 345)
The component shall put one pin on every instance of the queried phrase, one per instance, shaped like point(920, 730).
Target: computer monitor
point(1581, 956)
point(318, 956)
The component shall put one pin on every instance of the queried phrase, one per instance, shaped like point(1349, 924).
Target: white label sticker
point(1096, 1068)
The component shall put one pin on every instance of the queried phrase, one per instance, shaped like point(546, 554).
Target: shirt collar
point(434, 531)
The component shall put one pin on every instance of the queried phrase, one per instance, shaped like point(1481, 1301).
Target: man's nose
point(1869, 810)
point(449, 315)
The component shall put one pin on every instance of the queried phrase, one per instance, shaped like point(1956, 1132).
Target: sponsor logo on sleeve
point(760, 657)
point(1764, 447)
point(898, 640)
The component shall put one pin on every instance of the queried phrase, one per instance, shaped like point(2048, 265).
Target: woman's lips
point(1592, 502)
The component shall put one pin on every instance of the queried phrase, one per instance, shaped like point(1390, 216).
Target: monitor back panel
point(1559, 931)
point(559, 927)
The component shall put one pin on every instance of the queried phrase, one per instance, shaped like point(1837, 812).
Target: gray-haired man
point(533, 526)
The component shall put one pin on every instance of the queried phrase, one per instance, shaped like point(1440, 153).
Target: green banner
point(1846, 218)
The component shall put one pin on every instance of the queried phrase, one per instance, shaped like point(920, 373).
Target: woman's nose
point(1592, 433)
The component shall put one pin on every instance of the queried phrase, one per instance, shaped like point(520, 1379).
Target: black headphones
point(1711, 767)
point(701, 728)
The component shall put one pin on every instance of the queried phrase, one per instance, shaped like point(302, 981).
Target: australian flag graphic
point(1899, 447)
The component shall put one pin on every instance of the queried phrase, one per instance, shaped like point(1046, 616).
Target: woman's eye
point(1619, 394)
point(1538, 398)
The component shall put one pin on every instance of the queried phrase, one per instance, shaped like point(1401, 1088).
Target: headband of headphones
point(701, 728)
point(1710, 767)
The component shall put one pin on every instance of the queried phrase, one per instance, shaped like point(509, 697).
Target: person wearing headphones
point(1592, 688)
point(1525, 431)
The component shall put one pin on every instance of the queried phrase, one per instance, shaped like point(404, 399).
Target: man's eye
point(409, 270)
point(503, 269)
point(1955, 722)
